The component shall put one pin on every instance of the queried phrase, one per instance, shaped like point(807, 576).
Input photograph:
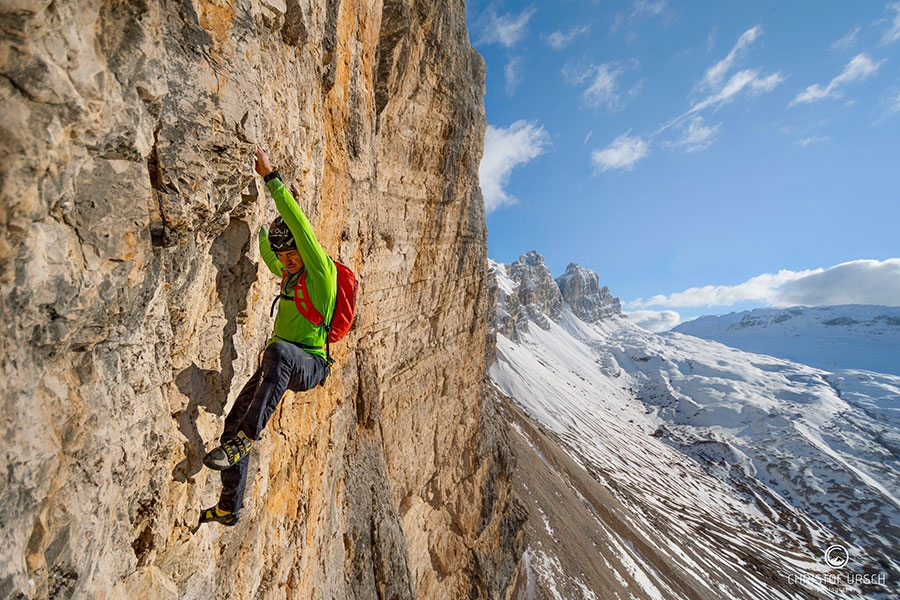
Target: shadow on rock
point(200, 386)
point(208, 388)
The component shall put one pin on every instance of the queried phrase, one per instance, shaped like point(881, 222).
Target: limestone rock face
point(580, 288)
point(134, 304)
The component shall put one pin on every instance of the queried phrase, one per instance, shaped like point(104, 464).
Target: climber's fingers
point(263, 165)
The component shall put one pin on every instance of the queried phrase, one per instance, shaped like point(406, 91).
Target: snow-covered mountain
point(689, 469)
point(828, 337)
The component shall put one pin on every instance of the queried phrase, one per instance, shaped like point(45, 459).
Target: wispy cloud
point(814, 139)
point(696, 136)
point(860, 67)
point(603, 83)
point(625, 152)
point(856, 282)
point(504, 150)
point(639, 9)
point(711, 39)
point(893, 33)
point(514, 73)
point(604, 87)
point(506, 30)
point(560, 39)
point(888, 105)
point(720, 88)
point(750, 80)
point(893, 105)
point(716, 73)
point(648, 8)
point(848, 41)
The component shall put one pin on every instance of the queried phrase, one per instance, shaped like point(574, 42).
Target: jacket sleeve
point(268, 256)
point(319, 267)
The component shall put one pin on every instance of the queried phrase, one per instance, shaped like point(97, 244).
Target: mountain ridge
point(724, 458)
point(850, 336)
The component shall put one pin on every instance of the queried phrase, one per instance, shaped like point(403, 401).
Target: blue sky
point(701, 157)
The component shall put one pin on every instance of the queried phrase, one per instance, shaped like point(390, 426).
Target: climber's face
point(291, 261)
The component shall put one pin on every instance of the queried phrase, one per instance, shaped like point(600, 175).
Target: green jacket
point(321, 275)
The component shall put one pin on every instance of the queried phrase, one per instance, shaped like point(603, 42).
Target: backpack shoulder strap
point(306, 308)
point(304, 303)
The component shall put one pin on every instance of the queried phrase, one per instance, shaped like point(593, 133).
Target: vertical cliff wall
point(134, 304)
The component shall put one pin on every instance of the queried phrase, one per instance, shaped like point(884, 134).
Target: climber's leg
point(285, 366)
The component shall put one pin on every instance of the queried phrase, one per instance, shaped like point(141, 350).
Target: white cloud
point(856, 282)
point(603, 89)
point(504, 150)
point(640, 9)
point(697, 136)
point(506, 30)
point(711, 39)
point(623, 153)
point(860, 67)
point(813, 139)
point(760, 288)
point(648, 8)
point(848, 41)
point(748, 79)
point(764, 85)
point(654, 320)
point(893, 34)
point(893, 105)
point(716, 73)
point(559, 39)
point(720, 89)
point(514, 74)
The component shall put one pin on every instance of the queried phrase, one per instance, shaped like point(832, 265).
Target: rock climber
point(294, 358)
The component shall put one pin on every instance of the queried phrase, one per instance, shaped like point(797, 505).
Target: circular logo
point(837, 556)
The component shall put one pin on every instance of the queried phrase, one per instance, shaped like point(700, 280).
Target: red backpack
point(344, 303)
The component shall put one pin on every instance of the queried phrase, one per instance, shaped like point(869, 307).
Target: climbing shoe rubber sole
point(229, 453)
point(211, 515)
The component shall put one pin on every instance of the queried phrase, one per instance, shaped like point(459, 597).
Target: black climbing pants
point(284, 367)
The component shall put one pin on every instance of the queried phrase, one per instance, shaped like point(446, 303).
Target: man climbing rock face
point(294, 358)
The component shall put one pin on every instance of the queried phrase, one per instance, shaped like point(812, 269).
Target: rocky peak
point(537, 291)
point(581, 290)
point(526, 291)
